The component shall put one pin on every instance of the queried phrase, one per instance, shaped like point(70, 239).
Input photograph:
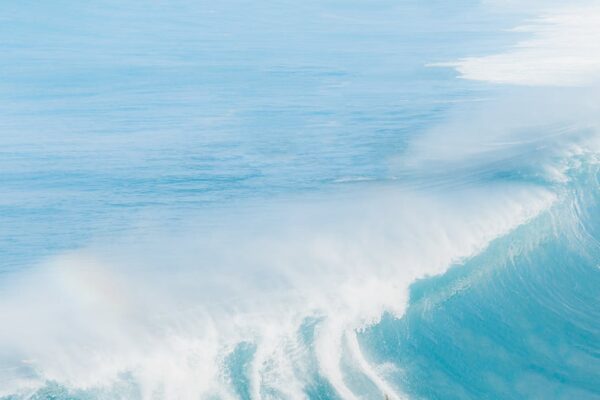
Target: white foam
point(563, 50)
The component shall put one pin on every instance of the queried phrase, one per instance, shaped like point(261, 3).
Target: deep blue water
point(283, 200)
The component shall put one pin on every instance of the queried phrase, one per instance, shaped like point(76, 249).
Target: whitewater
point(321, 201)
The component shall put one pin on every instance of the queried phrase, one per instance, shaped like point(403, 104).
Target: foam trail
point(368, 370)
point(329, 353)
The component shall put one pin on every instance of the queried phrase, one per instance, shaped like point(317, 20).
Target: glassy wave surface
point(316, 200)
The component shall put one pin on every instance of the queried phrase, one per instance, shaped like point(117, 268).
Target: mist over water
point(326, 200)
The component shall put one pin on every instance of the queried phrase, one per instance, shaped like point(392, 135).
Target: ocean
point(317, 200)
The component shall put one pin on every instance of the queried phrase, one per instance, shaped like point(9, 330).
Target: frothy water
point(223, 201)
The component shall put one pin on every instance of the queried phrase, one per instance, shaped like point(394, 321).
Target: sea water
point(303, 200)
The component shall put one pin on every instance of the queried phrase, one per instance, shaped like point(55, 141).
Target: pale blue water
point(123, 108)
point(123, 116)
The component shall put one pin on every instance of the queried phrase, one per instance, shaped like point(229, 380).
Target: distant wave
point(563, 50)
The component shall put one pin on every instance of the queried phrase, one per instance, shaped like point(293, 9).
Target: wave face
point(203, 205)
point(519, 320)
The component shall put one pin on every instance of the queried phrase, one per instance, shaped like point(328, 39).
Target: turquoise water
point(285, 200)
point(517, 321)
